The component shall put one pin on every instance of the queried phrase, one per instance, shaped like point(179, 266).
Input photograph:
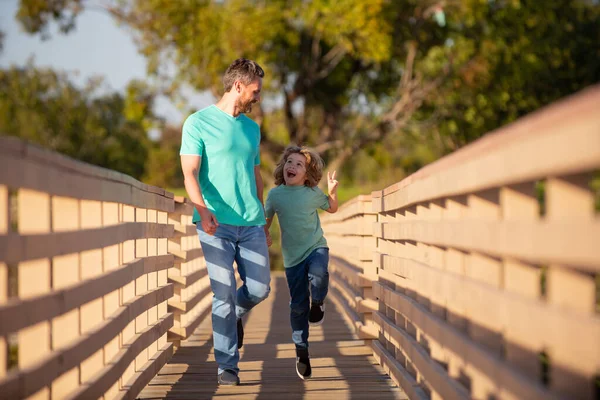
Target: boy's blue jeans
point(247, 246)
point(311, 273)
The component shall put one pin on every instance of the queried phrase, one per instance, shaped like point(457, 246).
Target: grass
point(177, 191)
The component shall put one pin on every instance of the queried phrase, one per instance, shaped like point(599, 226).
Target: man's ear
point(238, 86)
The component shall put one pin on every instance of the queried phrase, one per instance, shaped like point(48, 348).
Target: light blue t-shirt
point(229, 147)
point(296, 208)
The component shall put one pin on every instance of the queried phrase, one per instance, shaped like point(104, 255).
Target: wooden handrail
point(485, 263)
point(83, 277)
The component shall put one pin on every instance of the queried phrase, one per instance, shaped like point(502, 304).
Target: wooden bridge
point(343, 366)
point(476, 277)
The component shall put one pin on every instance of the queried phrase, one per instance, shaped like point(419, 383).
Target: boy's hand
point(269, 239)
point(332, 183)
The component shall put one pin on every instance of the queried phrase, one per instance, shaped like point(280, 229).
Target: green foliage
point(35, 15)
point(336, 69)
point(43, 107)
point(12, 362)
point(163, 167)
point(595, 187)
point(524, 55)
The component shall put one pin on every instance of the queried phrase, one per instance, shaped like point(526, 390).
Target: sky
point(97, 47)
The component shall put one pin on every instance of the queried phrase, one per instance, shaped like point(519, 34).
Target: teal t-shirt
point(296, 208)
point(229, 150)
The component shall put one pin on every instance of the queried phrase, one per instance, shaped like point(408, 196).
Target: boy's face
point(294, 170)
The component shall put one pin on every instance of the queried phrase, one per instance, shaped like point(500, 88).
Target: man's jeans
point(247, 246)
point(312, 271)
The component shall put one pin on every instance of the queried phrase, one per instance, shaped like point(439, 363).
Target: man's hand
point(209, 221)
point(332, 183)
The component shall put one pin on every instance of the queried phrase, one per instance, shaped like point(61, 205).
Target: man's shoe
point(228, 378)
point(240, 333)
point(316, 314)
point(303, 368)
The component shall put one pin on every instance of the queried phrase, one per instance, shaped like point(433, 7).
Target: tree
point(44, 107)
point(322, 57)
point(35, 15)
point(347, 75)
point(163, 168)
point(526, 54)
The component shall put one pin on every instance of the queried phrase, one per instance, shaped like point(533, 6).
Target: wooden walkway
point(343, 367)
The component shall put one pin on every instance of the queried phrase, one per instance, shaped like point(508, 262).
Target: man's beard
point(245, 106)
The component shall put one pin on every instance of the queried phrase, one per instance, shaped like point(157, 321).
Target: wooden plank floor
point(343, 367)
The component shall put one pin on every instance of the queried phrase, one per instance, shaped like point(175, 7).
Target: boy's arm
point(333, 203)
point(332, 185)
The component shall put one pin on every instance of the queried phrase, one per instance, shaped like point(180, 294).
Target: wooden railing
point(485, 264)
point(352, 271)
point(476, 277)
point(84, 255)
point(192, 298)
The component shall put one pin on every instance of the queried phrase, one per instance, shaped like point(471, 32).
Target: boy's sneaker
point(228, 378)
point(316, 314)
point(240, 333)
point(303, 368)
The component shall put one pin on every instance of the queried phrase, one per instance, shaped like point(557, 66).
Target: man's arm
point(259, 184)
point(190, 165)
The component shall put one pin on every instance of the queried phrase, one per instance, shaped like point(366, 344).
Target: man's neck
point(227, 104)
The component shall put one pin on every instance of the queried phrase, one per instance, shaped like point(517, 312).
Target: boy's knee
point(319, 277)
point(299, 309)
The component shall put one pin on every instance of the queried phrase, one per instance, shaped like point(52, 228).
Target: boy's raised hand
point(332, 183)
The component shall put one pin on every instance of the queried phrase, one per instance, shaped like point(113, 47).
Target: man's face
point(249, 95)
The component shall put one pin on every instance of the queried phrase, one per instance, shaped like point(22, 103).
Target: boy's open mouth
point(290, 174)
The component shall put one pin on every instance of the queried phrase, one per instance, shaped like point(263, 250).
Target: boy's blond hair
point(314, 165)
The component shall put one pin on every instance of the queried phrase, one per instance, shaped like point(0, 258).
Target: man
point(220, 161)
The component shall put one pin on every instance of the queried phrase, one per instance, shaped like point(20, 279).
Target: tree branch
point(324, 147)
point(331, 59)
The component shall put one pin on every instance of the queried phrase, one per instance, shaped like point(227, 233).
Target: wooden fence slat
point(30, 379)
point(103, 380)
point(20, 314)
point(17, 248)
point(23, 165)
point(477, 357)
point(573, 124)
point(436, 375)
point(135, 385)
point(569, 242)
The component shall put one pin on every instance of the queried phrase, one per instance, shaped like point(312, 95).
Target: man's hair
point(242, 70)
point(314, 165)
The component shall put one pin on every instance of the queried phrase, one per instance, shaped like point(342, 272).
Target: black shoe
point(240, 333)
point(316, 314)
point(303, 368)
point(228, 378)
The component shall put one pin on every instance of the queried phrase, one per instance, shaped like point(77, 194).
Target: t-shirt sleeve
point(321, 199)
point(191, 141)
point(269, 210)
